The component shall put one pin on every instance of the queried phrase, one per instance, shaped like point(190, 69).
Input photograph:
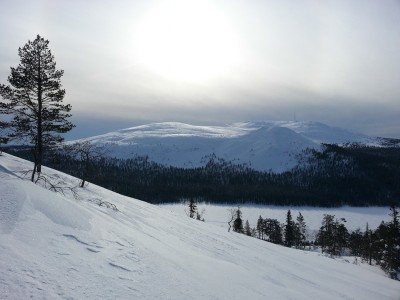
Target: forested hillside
point(352, 174)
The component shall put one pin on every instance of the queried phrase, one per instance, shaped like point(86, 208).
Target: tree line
point(380, 246)
point(335, 176)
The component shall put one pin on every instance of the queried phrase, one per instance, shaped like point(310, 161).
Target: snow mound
point(59, 247)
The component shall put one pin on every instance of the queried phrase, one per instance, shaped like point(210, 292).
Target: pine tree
point(289, 230)
point(324, 236)
point(341, 236)
point(192, 208)
point(356, 242)
point(3, 136)
point(379, 238)
point(34, 99)
point(367, 251)
point(238, 222)
point(260, 228)
point(247, 229)
point(300, 231)
point(391, 251)
point(276, 233)
point(273, 231)
point(333, 235)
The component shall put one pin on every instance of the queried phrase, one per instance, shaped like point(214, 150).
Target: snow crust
point(57, 247)
point(266, 145)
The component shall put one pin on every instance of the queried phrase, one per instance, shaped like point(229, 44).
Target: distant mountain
point(266, 145)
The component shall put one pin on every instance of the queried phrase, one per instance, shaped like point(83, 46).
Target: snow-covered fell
point(53, 246)
point(268, 145)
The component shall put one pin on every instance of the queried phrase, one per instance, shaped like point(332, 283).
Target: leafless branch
point(104, 203)
point(56, 187)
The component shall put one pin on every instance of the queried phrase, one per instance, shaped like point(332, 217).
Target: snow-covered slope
point(261, 145)
point(57, 247)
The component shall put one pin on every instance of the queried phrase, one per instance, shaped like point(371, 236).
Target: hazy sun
point(187, 41)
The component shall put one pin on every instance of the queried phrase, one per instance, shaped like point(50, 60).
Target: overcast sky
point(217, 62)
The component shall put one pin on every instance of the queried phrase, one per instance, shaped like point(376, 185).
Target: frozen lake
point(356, 217)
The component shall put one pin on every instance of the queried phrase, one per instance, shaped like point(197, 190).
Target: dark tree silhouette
point(3, 137)
point(300, 231)
point(391, 250)
point(238, 222)
point(260, 228)
point(356, 242)
point(192, 208)
point(368, 244)
point(247, 229)
point(289, 230)
point(34, 100)
point(333, 235)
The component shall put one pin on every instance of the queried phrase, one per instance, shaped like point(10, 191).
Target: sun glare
point(186, 41)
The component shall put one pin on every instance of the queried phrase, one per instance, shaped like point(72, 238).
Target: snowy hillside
point(57, 247)
point(261, 145)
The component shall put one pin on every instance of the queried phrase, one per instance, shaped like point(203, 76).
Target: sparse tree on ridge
point(34, 100)
point(87, 153)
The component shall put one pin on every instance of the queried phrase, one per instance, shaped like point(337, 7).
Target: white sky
point(214, 62)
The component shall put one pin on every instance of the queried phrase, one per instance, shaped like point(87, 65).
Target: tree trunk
point(39, 119)
point(82, 183)
point(33, 172)
point(34, 164)
point(85, 171)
